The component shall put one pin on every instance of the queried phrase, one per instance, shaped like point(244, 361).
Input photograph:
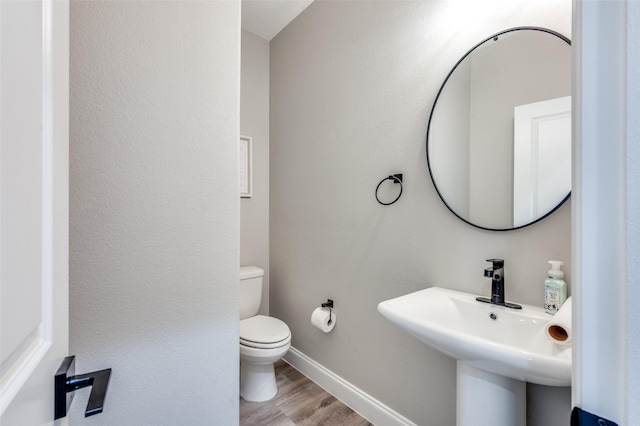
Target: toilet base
point(257, 382)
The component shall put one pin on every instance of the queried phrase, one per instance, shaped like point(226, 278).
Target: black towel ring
point(397, 178)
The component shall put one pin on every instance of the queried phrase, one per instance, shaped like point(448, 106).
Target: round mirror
point(499, 134)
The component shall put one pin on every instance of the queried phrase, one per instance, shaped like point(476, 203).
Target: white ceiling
point(266, 18)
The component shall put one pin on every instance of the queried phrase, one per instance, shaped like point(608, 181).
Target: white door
point(541, 158)
point(34, 108)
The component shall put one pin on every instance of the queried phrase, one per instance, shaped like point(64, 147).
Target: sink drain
point(493, 316)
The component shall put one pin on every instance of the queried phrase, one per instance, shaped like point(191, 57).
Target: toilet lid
point(263, 330)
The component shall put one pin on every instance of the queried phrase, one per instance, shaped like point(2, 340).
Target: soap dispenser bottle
point(555, 288)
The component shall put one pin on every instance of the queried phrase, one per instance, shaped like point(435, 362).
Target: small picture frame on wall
point(246, 167)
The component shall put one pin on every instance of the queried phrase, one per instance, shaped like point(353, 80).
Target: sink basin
point(508, 342)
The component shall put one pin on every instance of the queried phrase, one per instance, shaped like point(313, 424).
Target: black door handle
point(66, 382)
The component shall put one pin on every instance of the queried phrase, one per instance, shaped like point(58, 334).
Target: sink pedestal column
point(485, 398)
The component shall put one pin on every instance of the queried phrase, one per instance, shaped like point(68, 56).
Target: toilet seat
point(264, 332)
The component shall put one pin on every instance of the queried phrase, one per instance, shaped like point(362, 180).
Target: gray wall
point(449, 159)
point(254, 122)
point(352, 85)
point(154, 209)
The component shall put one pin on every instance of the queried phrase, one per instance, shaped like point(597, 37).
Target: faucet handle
point(497, 263)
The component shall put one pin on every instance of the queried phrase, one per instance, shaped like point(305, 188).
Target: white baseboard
point(358, 400)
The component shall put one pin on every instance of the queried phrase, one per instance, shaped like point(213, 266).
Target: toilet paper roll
point(559, 327)
point(322, 319)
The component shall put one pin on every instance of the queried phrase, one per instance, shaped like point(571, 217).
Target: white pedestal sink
point(498, 400)
point(498, 349)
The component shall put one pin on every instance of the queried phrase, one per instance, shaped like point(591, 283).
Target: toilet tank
point(250, 291)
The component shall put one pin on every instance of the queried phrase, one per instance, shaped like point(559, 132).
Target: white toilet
point(263, 340)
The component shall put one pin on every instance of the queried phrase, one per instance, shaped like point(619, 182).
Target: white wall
point(352, 85)
point(154, 209)
point(254, 122)
point(633, 206)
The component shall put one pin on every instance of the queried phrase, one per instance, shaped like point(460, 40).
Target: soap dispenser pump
point(555, 288)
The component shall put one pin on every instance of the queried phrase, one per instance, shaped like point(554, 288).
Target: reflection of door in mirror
point(520, 67)
point(541, 158)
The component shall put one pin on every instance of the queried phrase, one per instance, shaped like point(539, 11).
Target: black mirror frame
point(435, 102)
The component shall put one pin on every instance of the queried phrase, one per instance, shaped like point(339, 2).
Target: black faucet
point(496, 273)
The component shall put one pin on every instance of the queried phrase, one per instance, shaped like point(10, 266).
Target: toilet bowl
point(263, 340)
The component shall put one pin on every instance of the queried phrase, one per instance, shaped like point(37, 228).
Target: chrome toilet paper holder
point(328, 304)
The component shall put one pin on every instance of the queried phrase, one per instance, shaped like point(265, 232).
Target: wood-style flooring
point(299, 402)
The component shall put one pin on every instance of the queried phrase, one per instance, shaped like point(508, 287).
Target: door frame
point(605, 205)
